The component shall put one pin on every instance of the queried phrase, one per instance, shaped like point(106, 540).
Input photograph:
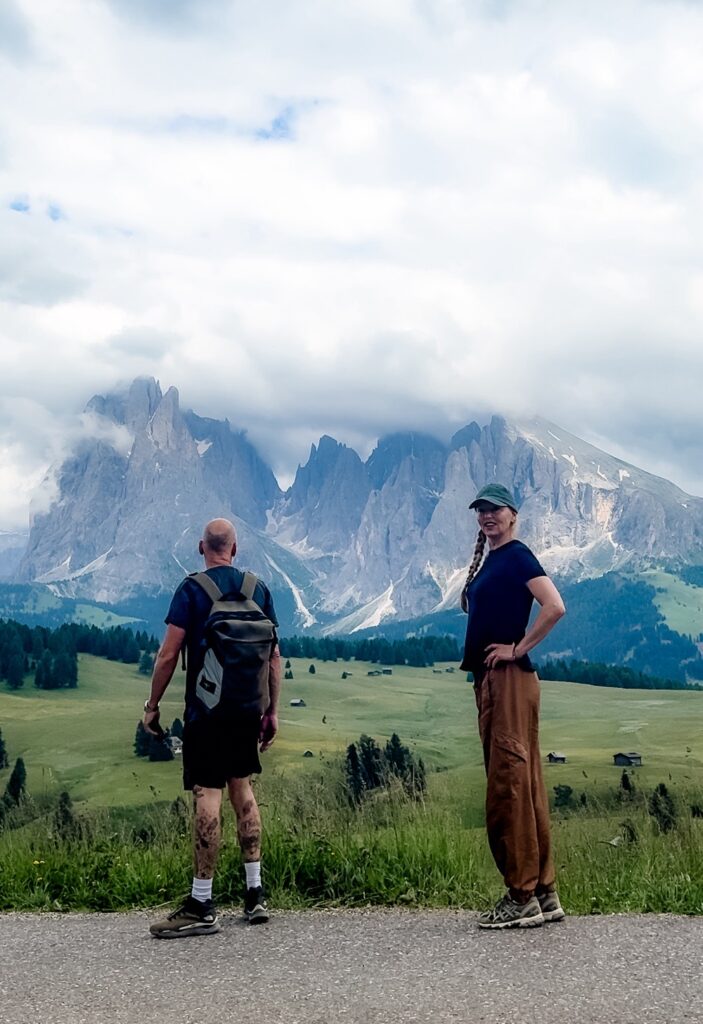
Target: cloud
point(37, 266)
point(31, 439)
point(146, 343)
point(358, 218)
point(164, 14)
point(15, 36)
point(33, 443)
point(90, 426)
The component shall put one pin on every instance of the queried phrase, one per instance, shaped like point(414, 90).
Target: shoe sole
point(257, 916)
point(553, 915)
point(184, 933)
point(521, 922)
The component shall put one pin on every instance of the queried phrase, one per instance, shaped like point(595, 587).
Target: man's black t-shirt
point(500, 603)
point(190, 607)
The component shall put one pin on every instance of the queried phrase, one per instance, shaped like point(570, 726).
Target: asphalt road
point(351, 967)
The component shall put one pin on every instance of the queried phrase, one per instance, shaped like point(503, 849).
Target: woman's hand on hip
point(499, 652)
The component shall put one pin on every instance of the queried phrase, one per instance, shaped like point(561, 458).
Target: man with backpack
point(224, 620)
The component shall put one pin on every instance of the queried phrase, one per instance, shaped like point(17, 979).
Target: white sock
point(253, 870)
point(202, 889)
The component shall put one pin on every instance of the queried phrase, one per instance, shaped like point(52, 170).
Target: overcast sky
point(352, 217)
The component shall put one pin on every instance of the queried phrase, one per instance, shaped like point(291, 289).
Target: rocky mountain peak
point(464, 437)
point(132, 406)
point(325, 501)
point(350, 544)
point(143, 399)
point(393, 449)
point(166, 426)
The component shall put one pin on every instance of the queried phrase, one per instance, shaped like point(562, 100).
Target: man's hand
point(267, 730)
point(164, 667)
point(499, 652)
point(152, 724)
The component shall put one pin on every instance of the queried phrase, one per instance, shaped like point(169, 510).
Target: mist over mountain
point(350, 544)
point(12, 547)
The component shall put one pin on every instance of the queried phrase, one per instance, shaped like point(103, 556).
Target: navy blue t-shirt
point(500, 603)
point(190, 608)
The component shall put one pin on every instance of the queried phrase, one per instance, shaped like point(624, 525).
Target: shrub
point(662, 808)
point(563, 796)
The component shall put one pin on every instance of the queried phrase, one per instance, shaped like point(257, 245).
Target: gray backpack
point(239, 640)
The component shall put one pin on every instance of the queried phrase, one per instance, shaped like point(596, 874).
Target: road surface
point(351, 967)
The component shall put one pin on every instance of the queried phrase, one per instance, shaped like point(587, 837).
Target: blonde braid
point(473, 568)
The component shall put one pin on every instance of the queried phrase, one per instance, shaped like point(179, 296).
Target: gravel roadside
point(351, 967)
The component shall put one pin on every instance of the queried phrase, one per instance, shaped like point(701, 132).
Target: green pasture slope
point(82, 740)
point(680, 603)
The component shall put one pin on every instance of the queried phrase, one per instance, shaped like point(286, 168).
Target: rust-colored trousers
point(517, 809)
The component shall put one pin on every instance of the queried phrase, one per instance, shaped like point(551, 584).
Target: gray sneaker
point(550, 906)
point(193, 918)
point(508, 914)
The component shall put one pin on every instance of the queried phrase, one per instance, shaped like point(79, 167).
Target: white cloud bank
point(352, 218)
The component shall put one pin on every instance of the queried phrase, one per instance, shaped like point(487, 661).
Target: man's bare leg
point(249, 834)
point(198, 916)
point(248, 818)
point(207, 830)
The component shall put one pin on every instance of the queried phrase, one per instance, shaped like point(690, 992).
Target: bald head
point(219, 542)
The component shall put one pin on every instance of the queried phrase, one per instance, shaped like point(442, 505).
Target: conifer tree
point(130, 650)
point(371, 762)
point(420, 777)
point(17, 783)
point(627, 785)
point(4, 760)
point(662, 808)
point(355, 781)
point(142, 741)
point(37, 645)
point(42, 670)
point(65, 822)
point(64, 670)
point(397, 756)
point(15, 671)
point(146, 664)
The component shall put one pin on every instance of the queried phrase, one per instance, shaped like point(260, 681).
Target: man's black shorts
point(218, 748)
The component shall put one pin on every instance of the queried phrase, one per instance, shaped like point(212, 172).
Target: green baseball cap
point(496, 494)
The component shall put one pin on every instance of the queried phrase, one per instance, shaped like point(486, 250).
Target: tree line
point(417, 651)
point(596, 673)
point(52, 654)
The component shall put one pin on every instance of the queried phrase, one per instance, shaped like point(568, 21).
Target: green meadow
point(81, 740)
point(134, 848)
point(680, 603)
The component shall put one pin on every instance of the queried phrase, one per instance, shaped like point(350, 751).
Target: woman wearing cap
point(498, 597)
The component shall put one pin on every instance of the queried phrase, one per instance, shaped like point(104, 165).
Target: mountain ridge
point(351, 544)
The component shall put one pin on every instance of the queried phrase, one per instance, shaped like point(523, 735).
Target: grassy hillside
point(35, 604)
point(680, 603)
point(320, 851)
point(81, 740)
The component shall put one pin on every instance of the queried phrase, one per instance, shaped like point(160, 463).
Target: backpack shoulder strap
point(208, 585)
point(248, 585)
